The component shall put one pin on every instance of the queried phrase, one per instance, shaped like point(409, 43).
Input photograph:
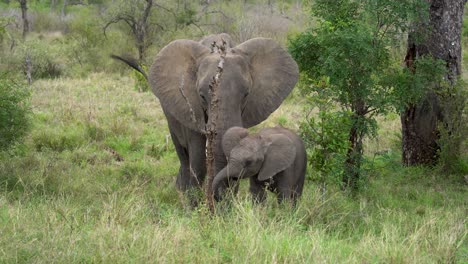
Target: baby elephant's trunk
point(220, 184)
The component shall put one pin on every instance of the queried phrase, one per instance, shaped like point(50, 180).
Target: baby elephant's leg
point(257, 190)
point(287, 190)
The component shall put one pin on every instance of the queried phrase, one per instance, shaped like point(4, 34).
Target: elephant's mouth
point(238, 176)
point(205, 114)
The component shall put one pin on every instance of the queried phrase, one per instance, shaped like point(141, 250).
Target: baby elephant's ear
point(279, 155)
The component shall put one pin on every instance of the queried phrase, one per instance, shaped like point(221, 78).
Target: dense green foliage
point(324, 133)
point(14, 114)
point(348, 53)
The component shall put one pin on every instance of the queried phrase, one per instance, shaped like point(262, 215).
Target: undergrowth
point(94, 181)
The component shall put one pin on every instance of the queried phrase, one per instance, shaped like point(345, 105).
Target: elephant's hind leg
point(287, 190)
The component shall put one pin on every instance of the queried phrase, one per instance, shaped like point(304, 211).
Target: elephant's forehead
point(231, 62)
point(249, 143)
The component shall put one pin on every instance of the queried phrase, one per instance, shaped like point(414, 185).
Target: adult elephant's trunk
point(229, 116)
point(220, 158)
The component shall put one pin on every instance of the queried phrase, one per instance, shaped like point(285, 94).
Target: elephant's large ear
point(279, 155)
point(173, 77)
point(232, 137)
point(274, 74)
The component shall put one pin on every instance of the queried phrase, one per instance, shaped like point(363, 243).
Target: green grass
point(94, 181)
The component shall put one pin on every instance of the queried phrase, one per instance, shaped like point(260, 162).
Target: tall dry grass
point(94, 182)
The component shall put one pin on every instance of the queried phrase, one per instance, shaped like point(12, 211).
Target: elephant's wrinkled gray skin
point(258, 75)
point(273, 159)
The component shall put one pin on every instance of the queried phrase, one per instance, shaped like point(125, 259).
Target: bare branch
point(193, 174)
point(181, 89)
point(164, 8)
point(126, 18)
point(29, 69)
point(211, 127)
point(218, 12)
point(199, 28)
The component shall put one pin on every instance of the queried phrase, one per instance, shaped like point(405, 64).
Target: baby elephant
point(274, 158)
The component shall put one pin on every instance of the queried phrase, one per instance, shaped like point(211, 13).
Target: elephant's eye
point(248, 162)
point(203, 97)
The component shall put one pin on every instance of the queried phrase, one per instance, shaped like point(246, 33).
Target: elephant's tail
point(132, 63)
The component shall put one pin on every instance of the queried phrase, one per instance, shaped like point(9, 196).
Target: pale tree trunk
point(27, 62)
point(443, 41)
point(64, 7)
point(140, 30)
point(52, 4)
point(24, 16)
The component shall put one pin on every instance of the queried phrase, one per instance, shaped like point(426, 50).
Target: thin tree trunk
point(24, 16)
point(353, 159)
point(29, 68)
point(420, 122)
point(64, 6)
point(354, 155)
point(141, 36)
point(212, 129)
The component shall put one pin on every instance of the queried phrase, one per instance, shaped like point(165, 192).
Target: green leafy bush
point(349, 48)
point(14, 110)
point(453, 131)
point(83, 46)
point(46, 21)
point(324, 133)
point(43, 57)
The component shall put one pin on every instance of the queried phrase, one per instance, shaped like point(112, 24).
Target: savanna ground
point(94, 181)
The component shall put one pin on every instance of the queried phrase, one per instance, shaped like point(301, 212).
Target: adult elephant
point(258, 74)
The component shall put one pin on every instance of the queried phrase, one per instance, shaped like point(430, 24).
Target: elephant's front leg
point(190, 148)
point(192, 168)
point(183, 182)
point(197, 159)
point(257, 190)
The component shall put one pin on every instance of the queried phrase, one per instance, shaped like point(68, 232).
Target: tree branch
point(211, 127)
point(181, 89)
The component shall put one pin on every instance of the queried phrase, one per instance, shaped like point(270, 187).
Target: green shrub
point(14, 111)
point(453, 130)
point(351, 55)
point(46, 21)
point(325, 134)
point(43, 56)
point(83, 46)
